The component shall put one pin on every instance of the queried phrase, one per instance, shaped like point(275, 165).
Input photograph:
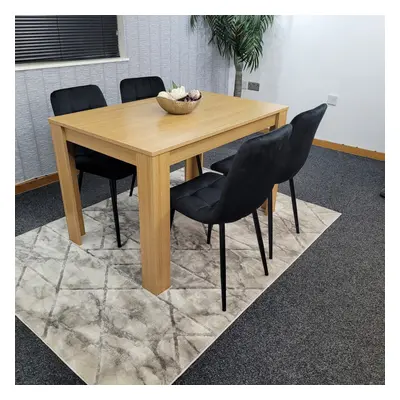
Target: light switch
point(332, 99)
point(254, 86)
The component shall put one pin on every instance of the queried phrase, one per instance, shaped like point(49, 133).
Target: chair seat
point(224, 165)
point(198, 197)
point(104, 166)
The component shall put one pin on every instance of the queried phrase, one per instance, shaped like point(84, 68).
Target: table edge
point(52, 121)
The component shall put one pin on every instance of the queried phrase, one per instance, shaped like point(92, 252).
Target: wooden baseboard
point(36, 183)
point(350, 149)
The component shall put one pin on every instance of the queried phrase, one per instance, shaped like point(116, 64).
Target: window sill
point(60, 64)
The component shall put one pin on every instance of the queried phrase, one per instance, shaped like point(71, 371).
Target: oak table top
point(143, 126)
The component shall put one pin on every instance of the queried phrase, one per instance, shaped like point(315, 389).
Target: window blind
point(65, 37)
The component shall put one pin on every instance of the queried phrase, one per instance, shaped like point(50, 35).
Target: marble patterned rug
point(86, 302)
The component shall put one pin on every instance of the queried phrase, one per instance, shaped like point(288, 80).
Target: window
point(65, 37)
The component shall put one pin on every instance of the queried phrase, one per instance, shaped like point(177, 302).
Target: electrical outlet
point(332, 99)
point(244, 85)
point(254, 86)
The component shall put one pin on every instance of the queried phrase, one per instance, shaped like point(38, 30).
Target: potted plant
point(237, 37)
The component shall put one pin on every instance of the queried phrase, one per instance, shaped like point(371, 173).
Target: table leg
point(265, 204)
point(280, 121)
point(154, 214)
point(67, 174)
point(191, 167)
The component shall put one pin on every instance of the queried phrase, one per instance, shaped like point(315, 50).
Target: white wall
point(308, 57)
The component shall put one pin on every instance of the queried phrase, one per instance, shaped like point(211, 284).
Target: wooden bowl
point(177, 107)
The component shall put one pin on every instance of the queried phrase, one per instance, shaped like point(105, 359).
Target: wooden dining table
point(143, 134)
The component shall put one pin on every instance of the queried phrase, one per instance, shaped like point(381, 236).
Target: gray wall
point(155, 45)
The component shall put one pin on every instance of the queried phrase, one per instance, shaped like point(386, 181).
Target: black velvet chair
point(81, 98)
point(133, 89)
point(217, 199)
point(305, 126)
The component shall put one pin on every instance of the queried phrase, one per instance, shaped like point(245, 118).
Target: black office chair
point(217, 199)
point(81, 98)
point(133, 89)
point(305, 126)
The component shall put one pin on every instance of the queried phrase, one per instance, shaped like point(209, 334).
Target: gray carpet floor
point(322, 322)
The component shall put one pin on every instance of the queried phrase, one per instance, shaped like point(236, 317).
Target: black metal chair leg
point(294, 205)
point(132, 184)
point(260, 241)
point(172, 213)
point(113, 189)
point(198, 159)
point(223, 264)
point(270, 230)
point(270, 226)
point(210, 226)
point(80, 179)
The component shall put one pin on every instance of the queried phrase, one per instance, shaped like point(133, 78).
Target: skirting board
point(35, 183)
point(350, 149)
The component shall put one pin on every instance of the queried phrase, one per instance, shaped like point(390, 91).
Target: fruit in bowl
point(178, 100)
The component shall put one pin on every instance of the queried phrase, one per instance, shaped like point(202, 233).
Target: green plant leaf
point(174, 85)
point(236, 36)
